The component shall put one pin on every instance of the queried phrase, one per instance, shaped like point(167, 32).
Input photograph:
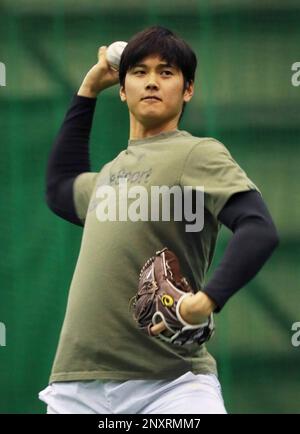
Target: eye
point(143, 72)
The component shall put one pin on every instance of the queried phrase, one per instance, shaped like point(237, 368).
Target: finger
point(158, 328)
point(102, 51)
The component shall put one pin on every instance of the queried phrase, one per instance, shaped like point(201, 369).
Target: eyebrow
point(168, 65)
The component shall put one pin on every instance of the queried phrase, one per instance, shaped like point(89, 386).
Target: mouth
point(151, 98)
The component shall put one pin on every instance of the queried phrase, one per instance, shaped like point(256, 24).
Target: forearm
point(234, 271)
point(87, 91)
point(70, 152)
point(248, 250)
point(254, 239)
point(69, 156)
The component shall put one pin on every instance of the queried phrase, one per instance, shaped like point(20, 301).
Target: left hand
point(158, 328)
point(193, 310)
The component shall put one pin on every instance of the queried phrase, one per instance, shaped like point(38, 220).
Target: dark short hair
point(163, 42)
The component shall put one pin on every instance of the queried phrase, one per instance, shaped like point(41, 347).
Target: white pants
point(187, 394)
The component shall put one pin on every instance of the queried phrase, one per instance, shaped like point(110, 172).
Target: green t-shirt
point(99, 338)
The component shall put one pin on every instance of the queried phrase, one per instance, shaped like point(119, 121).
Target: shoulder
point(205, 147)
point(199, 141)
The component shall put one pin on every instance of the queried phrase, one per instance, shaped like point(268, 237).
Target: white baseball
point(114, 52)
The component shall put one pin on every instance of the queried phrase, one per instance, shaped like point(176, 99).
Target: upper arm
point(246, 207)
point(211, 166)
point(69, 198)
point(82, 190)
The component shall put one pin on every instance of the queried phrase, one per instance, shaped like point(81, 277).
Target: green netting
point(244, 97)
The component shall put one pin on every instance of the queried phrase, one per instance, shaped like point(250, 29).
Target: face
point(154, 77)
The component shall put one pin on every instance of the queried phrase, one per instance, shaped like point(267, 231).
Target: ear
point(188, 91)
point(122, 93)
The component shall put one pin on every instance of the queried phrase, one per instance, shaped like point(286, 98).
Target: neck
point(140, 131)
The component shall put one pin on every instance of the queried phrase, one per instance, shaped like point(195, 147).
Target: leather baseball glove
point(161, 290)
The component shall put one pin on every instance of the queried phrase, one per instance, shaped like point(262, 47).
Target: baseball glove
point(160, 292)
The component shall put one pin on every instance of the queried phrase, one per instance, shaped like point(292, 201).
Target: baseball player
point(104, 363)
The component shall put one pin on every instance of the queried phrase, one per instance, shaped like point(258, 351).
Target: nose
point(151, 83)
point(152, 86)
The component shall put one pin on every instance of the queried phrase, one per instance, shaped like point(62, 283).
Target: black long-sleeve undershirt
point(69, 157)
point(245, 214)
point(253, 241)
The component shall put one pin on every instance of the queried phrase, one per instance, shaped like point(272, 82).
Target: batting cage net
point(246, 96)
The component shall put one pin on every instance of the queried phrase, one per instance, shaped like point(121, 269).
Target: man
point(104, 363)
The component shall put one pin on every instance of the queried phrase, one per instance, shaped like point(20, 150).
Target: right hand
point(99, 77)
